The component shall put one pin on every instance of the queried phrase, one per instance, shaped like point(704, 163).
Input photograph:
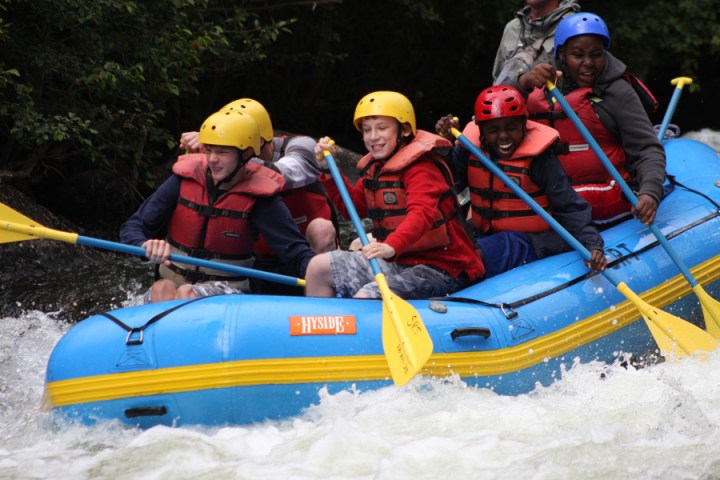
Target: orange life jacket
point(386, 197)
point(495, 207)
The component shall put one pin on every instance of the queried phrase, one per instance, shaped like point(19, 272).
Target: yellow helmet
point(257, 111)
point(390, 104)
point(231, 128)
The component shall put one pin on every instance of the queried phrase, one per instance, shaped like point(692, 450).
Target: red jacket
point(425, 187)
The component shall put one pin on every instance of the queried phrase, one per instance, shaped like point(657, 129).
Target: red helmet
point(499, 101)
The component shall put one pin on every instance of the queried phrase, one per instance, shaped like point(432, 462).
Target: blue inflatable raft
point(238, 359)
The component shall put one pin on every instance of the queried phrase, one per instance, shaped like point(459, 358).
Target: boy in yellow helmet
point(294, 158)
point(213, 207)
point(406, 189)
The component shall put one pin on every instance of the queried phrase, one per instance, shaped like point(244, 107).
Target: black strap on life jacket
point(490, 194)
point(509, 169)
point(211, 211)
point(377, 213)
point(648, 100)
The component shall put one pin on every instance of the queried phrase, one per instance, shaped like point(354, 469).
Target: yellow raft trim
point(365, 367)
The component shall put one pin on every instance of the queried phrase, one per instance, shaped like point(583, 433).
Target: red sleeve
point(357, 195)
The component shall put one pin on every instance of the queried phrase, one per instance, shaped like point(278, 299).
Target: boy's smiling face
point(503, 135)
point(381, 135)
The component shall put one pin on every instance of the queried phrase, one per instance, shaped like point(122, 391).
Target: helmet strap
point(243, 158)
point(402, 140)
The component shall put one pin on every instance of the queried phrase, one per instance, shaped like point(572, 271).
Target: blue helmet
point(580, 24)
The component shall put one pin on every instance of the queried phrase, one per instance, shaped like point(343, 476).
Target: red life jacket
point(495, 207)
point(221, 230)
point(305, 204)
point(386, 197)
point(588, 175)
point(580, 163)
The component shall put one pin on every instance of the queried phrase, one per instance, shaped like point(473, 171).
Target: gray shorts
point(352, 274)
point(202, 290)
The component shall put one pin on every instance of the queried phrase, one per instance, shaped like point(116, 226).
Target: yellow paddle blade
point(10, 216)
point(16, 227)
point(711, 310)
point(680, 82)
point(406, 342)
point(672, 334)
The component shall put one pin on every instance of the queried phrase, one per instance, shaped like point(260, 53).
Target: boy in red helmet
point(508, 232)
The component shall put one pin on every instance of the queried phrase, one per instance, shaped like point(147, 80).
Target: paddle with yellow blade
point(406, 342)
point(15, 227)
point(710, 306)
point(671, 333)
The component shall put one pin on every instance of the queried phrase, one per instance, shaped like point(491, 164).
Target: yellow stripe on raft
point(365, 367)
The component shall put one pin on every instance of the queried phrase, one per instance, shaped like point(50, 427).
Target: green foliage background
point(94, 93)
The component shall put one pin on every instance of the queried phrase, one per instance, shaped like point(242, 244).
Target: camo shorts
point(352, 274)
point(202, 290)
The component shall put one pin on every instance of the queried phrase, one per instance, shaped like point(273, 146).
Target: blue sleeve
point(272, 218)
point(566, 205)
point(152, 218)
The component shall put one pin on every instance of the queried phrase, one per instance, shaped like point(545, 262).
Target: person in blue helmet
point(613, 105)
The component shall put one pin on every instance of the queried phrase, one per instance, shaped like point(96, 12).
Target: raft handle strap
point(136, 335)
point(470, 331)
point(145, 412)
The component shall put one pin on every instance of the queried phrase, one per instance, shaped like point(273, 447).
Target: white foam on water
point(598, 421)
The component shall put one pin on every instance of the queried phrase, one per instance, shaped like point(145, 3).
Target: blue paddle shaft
point(140, 252)
point(669, 112)
point(517, 190)
point(350, 207)
point(620, 181)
